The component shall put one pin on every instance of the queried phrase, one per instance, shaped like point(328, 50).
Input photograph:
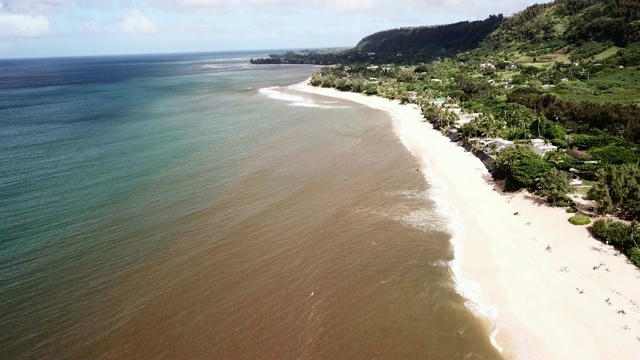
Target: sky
point(49, 28)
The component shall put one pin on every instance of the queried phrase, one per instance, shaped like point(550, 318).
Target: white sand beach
point(557, 292)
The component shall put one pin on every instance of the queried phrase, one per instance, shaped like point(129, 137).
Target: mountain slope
point(426, 42)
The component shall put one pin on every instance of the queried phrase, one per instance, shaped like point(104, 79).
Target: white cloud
point(481, 8)
point(91, 27)
point(32, 7)
point(23, 26)
point(346, 6)
point(269, 23)
point(138, 23)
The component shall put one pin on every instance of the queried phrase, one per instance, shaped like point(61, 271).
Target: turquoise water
point(181, 206)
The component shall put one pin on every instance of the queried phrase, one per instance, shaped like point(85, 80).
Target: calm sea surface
point(185, 207)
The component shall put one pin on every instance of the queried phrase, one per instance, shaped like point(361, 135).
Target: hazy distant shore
point(547, 288)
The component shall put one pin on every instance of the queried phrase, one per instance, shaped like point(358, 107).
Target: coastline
point(538, 303)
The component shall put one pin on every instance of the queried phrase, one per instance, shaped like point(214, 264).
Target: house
point(510, 67)
point(436, 80)
point(467, 118)
point(487, 66)
point(541, 148)
point(371, 53)
point(497, 144)
point(578, 154)
point(372, 67)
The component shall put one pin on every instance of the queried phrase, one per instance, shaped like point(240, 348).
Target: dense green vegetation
point(622, 236)
point(564, 73)
point(617, 190)
point(523, 167)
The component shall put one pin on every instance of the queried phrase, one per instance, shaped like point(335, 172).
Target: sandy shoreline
point(546, 304)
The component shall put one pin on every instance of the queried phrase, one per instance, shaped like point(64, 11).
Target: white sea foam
point(294, 100)
point(447, 217)
point(228, 59)
point(468, 289)
point(234, 66)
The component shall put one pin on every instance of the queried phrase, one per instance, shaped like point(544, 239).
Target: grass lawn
point(583, 189)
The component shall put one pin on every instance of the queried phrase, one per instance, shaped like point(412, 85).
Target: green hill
point(410, 45)
point(581, 28)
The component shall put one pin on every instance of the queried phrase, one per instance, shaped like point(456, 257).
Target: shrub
point(572, 210)
point(561, 201)
point(580, 220)
point(561, 143)
point(634, 256)
point(601, 228)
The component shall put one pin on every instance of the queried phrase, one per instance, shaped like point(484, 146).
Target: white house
point(497, 144)
point(541, 148)
point(487, 66)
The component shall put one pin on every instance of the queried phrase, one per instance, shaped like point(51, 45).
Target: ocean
point(192, 207)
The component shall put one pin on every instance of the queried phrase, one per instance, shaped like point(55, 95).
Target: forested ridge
point(402, 46)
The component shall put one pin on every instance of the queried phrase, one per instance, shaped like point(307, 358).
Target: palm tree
point(554, 184)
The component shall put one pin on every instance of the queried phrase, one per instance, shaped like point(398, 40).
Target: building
point(541, 148)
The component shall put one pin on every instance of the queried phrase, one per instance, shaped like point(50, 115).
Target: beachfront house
point(466, 118)
point(541, 147)
point(496, 145)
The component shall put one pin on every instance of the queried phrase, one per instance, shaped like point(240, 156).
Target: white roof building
point(541, 148)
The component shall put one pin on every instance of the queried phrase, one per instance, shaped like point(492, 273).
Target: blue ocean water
point(186, 206)
point(90, 155)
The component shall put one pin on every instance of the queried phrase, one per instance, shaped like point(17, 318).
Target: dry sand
point(555, 292)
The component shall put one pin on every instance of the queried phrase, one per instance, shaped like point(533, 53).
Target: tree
point(522, 166)
point(554, 184)
point(600, 193)
point(618, 190)
point(484, 125)
point(613, 154)
point(449, 118)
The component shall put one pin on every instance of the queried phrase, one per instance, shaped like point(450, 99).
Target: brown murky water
point(317, 240)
